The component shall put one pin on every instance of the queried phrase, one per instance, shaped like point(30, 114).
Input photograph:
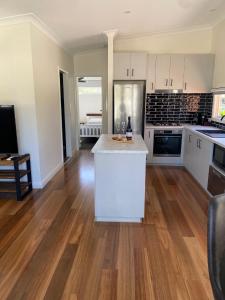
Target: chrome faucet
point(222, 118)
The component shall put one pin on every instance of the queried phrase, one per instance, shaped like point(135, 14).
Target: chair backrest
point(216, 246)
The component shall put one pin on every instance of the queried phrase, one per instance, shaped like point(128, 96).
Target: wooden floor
point(51, 248)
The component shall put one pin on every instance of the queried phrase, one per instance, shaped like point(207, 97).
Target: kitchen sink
point(217, 133)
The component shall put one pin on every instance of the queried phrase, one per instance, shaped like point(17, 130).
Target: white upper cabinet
point(122, 65)
point(198, 73)
point(169, 71)
point(130, 66)
point(176, 77)
point(192, 73)
point(138, 66)
point(150, 84)
point(162, 72)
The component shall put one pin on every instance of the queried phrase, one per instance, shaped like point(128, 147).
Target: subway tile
point(174, 107)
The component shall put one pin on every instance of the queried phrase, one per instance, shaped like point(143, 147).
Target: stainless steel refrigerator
point(128, 100)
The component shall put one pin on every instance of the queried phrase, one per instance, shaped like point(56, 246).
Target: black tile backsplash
point(177, 107)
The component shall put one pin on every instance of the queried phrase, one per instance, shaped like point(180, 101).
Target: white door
point(138, 67)
point(176, 80)
point(162, 71)
point(121, 63)
point(198, 73)
point(150, 85)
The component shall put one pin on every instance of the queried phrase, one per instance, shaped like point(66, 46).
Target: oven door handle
point(168, 136)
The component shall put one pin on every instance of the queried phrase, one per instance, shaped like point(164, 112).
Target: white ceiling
point(80, 23)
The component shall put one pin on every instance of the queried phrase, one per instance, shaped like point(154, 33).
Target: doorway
point(90, 110)
point(63, 117)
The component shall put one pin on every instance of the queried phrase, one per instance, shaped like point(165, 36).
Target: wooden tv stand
point(10, 178)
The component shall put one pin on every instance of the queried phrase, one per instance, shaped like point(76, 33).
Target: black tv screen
point(8, 137)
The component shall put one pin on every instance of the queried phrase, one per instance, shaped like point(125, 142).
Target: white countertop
point(106, 144)
point(193, 128)
point(151, 126)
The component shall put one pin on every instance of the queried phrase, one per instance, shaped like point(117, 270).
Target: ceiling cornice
point(37, 22)
point(169, 32)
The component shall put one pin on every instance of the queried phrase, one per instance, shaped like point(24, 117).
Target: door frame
point(104, 110)
point(67, 112)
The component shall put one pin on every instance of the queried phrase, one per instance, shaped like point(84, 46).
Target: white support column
point(110, 37)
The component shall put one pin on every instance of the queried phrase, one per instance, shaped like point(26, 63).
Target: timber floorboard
point(51, 248)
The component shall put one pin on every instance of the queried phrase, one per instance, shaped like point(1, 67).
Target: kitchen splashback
point(177, 107)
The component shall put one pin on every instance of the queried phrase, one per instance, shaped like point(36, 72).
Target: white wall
point(93, 63)
point(198, 41)
point(29, 79)
point(47, 59)
point(218, 47)
point(89, 103)
point(17, 87)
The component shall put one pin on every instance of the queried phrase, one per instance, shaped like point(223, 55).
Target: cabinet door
point(203, 160)
point(162, 71)
point(198, 73)
point(176, 80)
point(138, 66)
point(149, 142)
point(189, 149)
point(150, 85)
point(121, 65)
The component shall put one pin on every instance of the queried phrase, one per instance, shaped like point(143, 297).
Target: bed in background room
point(92, 127)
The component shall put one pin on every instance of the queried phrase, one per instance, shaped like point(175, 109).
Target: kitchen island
point(119, 179)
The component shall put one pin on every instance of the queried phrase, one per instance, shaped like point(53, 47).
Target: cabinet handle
point(189, 138)
point(132, 73)
point(152, 86)
point(149, 134)
point(185, 85)
point(199, 144)
point(127, 72)
point(171, 82)
point(166, 82)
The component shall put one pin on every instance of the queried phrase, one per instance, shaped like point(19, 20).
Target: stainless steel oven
point(167, 143)
point(219, 157)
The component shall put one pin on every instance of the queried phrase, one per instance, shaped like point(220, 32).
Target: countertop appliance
point(219, 157)
point(128, 100)
point(167, 143)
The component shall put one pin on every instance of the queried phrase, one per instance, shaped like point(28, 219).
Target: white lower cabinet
point(197, 156)
point(149, 135)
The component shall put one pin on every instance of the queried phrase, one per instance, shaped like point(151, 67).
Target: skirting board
point(42, 184)
point(112, 219)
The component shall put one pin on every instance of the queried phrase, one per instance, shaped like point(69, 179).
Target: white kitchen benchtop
point(151, 126)
point(106, 144)
point(193, 128)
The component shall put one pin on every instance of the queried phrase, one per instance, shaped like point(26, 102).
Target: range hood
point(218, 91)
point(168, 91)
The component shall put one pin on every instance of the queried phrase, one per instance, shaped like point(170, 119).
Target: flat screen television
point(8, 137)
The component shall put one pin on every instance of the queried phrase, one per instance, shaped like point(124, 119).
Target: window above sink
point(218, 107)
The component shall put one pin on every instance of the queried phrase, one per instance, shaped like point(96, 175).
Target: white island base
point(119, 180)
